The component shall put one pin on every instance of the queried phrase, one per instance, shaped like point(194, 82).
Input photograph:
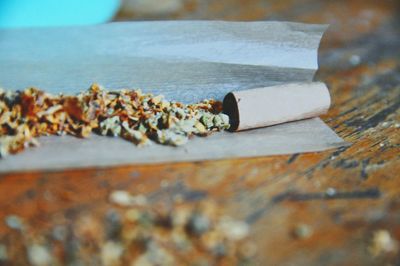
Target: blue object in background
point(44, 13)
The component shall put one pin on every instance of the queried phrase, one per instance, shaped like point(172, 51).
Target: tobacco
point(138, 117)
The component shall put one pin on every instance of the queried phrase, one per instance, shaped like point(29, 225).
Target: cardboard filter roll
point(276, 104)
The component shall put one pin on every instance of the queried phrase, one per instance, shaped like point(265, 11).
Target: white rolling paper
point(186, 61)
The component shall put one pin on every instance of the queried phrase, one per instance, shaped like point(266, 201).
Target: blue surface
point(44, 13)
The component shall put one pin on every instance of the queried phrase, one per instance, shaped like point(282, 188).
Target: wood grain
point(360, 63)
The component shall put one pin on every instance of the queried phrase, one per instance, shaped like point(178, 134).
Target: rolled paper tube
point(273, 105)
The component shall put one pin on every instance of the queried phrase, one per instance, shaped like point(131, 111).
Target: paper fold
point(186, 61)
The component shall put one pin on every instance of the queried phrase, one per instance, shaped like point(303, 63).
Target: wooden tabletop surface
point(341, 197)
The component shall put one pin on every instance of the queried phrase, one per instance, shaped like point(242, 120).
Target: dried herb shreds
point(135, 116)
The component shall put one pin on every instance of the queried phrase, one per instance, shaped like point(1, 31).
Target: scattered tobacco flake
point(302, 231)
point(382, 242)
point(130, 114)
point(131, 234)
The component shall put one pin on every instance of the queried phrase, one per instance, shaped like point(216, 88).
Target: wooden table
point(343, 196)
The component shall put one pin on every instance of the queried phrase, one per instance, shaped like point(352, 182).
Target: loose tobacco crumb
point(382, 242)
point(135, 116)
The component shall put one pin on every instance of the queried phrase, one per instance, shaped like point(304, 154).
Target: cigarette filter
point(273, 105)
